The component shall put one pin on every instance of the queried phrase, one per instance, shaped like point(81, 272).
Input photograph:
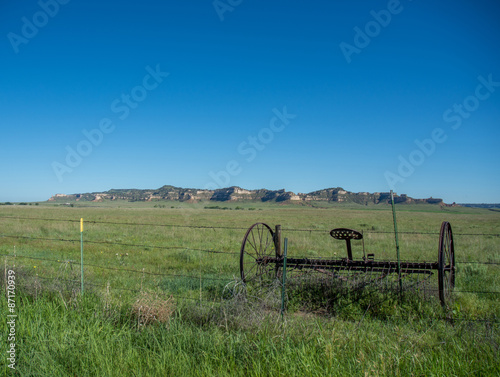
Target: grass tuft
point(150, 307)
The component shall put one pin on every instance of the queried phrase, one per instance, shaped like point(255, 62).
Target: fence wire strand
point(113, 287)
point(234, 228)
point(447, 319)
point(145, 246)
point(111, 268)
point(117, 244)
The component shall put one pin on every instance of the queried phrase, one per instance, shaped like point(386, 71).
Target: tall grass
point(84, 337)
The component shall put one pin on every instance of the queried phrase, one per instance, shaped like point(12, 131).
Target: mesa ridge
point(238, 194)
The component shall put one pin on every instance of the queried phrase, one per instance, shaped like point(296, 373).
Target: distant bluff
point(235, 194)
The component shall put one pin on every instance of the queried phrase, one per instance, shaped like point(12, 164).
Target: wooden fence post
point(277, 240)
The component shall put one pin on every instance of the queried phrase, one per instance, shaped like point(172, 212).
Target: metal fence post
point(397, 242)
point(81, 249)
point(284, 279)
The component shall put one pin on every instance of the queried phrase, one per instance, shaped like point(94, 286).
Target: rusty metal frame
point(268, 262)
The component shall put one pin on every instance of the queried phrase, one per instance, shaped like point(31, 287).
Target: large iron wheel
point(257, 250)
point(446, 263)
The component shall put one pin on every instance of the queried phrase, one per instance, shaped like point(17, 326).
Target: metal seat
point(347, 235)
point(344, 234)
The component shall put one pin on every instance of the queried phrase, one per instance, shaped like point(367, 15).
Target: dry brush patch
point(153, 307)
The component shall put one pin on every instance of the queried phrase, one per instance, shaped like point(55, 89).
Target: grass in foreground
point(89, 336)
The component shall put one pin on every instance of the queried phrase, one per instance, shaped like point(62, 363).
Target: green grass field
point(163, 297)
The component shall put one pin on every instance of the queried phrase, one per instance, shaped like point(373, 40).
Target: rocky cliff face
point(235, 194)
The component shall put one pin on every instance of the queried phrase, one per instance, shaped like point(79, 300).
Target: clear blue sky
point(359, 81)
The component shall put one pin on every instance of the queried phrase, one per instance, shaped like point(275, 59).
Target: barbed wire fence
point(229, 227)
point(196, 280)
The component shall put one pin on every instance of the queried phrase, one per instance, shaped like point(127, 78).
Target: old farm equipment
point(261, 259)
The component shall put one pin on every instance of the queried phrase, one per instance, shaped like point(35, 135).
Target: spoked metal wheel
point(446, 263)
point(257, 256)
